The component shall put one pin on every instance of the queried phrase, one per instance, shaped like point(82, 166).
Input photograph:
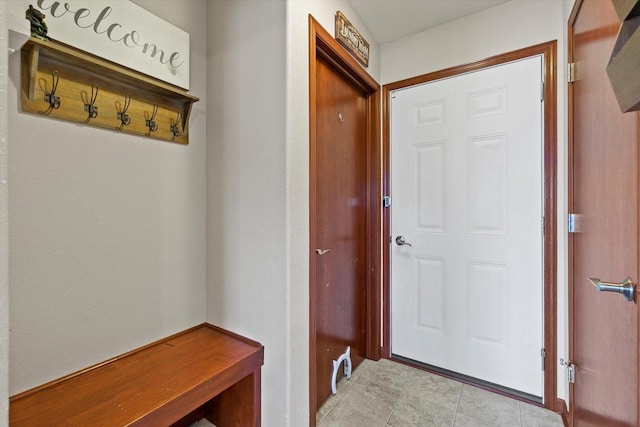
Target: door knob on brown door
point(401, 242)
point(322, 251)
point(627, 288)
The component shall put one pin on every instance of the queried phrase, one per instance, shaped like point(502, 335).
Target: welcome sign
point(122, 32)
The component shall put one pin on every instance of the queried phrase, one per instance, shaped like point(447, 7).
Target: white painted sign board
point(120, 31)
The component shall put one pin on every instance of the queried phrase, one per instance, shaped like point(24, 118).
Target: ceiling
point(388, 20)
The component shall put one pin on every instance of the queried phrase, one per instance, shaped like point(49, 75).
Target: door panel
point(341, 212)
point(466, 157)
point(604, 194)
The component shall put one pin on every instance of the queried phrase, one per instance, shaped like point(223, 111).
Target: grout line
point(402, 393)
point(396, 404)
point(455, 411)
point(393, 409)
point(520, 413)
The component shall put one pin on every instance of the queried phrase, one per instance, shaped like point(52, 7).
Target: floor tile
point(386, 393)
point(393, 375)
point(342, 386)
point(366, 363)
point(463, 420)
point(363, 406)
point(415, 410)
point(486, 408)
point(534, 416)
point(440, 391)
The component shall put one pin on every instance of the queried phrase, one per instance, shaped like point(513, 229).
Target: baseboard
point(561, 408)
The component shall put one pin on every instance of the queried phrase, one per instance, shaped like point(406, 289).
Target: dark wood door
point(341, 215)
point(604, 195)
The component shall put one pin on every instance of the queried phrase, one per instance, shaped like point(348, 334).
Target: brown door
point(341, 215)
point(604, 195)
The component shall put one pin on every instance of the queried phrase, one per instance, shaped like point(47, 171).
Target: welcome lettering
point(84, 18)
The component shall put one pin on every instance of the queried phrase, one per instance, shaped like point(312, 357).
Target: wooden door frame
point(570, 243)
point(570, 201)
point(323, 45)
point(548, 50)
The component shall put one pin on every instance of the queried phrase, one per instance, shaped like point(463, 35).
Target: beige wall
point(257, 186)
point(4, 238)
point(107, 230)
point(246, 205)
point(506, 27)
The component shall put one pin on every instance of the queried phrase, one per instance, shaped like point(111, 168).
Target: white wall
point(258, 179)
point(4, 224)
point(509, 26)
point(107, 230)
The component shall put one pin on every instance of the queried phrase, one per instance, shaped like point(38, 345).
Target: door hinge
point(386, 201)
point(571, 72)
point(571, 370)
point(571, 223)
point(543, 356)
point(543, 226)
point(541, 91)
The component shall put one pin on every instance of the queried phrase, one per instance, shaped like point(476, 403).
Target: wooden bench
point(203, 372)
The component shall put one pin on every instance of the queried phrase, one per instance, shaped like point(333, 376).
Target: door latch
point(627, 288)
point(401, 242)
point(571, 369)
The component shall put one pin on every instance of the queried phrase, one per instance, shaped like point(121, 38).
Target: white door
point(466, 159)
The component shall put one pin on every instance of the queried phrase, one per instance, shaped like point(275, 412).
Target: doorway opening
point(549, 205)
point(345, 216)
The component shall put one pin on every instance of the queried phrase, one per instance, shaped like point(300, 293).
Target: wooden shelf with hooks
point(62, 82)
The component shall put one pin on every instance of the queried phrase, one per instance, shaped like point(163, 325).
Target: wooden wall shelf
point(52, 69)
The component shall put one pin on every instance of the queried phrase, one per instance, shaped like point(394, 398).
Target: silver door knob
point(627, 288)
point(322, 251)
point(401, 242)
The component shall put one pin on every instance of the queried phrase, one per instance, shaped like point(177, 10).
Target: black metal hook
point(122, 115)
point(51, 98)
point(90, 107)
point(153, 126)
point(175, 126)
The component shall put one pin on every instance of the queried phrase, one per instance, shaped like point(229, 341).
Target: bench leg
point(239, 405)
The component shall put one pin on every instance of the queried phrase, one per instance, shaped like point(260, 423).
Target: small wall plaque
point(351, 38)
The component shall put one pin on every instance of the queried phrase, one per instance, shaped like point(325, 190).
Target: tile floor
point(387, 393)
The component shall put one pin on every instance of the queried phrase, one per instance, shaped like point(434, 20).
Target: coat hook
point(175, 126)
point(153, 126)
point(90, 106)
point(122, 115)
point(51, 98)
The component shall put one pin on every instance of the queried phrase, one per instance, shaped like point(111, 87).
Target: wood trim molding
point(561, 408)
point(570, 201)
point(549, 51)
point(386, 224)
point(323, 45)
